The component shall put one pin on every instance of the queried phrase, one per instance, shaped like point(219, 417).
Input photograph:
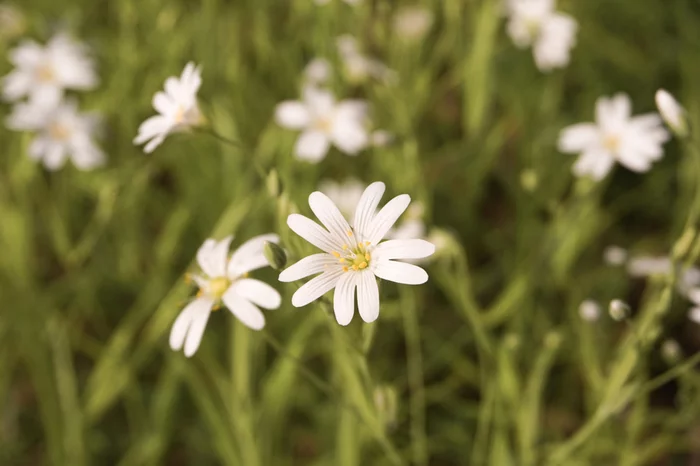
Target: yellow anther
point(216, 307)
point(199, 294)
point(345, 268)
point(336, 254)
point(349, 232)
point(367, 243)
point(367, 256)
point(345, 247)
point(355, 267)
point(341, 260)
point(245, 275)
point(363, 265)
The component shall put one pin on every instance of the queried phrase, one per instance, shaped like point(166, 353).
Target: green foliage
point(488, 363)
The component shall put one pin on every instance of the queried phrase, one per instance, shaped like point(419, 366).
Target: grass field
point(491, 362)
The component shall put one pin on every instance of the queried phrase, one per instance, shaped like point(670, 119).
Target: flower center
point(218, 286)
point(59, 132)
point(611, 142)
point(323, 124)
point(357, 258)
point(45, 73)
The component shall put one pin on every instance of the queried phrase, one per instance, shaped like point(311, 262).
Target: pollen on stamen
point(349, 232)
point(363, 265)
point(367, 256)
point(345, 247)
point(341, 260)
point(345, 268)
point(336, 254)
point(355, 267)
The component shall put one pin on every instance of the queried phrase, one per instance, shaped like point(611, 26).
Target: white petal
point(312, 146)
point(249, 256)
point(403, 249)
point(633, 160)
point(577, 138)
point(612, 114)
point(154, 126)
point(190, 324)
point(385, 219)
point(55, 156)
point(212, 256)
point(153, 143)
point(313, 233)
point(258, 292)
point(310, 265)
point(330, 216)
point(594, 163)
point(368, 297)
point(316, 287)
point(399, 272)
point(344, 297)
point(319, 102)
point(292, 114)
point(367, 208)
point(163, 103)
point(244, 310)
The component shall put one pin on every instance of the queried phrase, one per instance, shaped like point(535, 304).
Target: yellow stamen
point(336, 254)
point(363, 265)
point(367, 243)
point(216, 307)
point(345, 268)
point(367, 256)
point(354, 267)
point(345, 247)
point(349, 232)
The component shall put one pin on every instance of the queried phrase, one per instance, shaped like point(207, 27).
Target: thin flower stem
point(390, 451)
point(211, 132)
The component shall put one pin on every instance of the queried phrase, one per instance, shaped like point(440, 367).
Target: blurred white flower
point(354, 256)
point(589, 310)
point(672, 112)
point(614, 255)
point(413, 22)
point(12, 22)
point(43, 73)
point(359, 67)
point(225, 280)
point(317, 72)
point(177, 109)
point(323, 122)
point(634, 142)
point(644, 266)
point(671, 351)
point(345, 195)
point(551, 34)
point(381, 138)
point(62, 133)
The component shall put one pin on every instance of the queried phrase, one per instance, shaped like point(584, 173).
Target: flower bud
point(672, 113)
point(619, 310)
point(275, 255)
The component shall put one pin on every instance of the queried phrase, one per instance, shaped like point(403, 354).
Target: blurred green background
point(489, 363)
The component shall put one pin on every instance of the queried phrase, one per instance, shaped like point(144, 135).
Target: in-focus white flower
point(412, 22)
point(634, 142)
point(589, 310)
point(551, 34)
point(225, 280)
point(62, 133)
point(614, 255)
point(323, 122)
point(354, 257)
point(672, 112)
point(317, 72)
point(359, 67)
point(346, 195)
point(43, 73)
point(12, 22)
point(177, 109)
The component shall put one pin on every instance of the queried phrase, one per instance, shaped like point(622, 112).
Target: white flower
point(177, 109)
point(551, 34)
point(225, 280)
point(589, 310)
point(672, 112)
point(346, 195)
point(62, 133)
point(381, 138)
point(359, 67)
point(615, 255)
point(43, 73)
point(354, 257)
point(323, 122)
point(412, 22)
point(317, 72)
point(619, 310)
point(12, 22)
point(634, 142)
point(644, 266)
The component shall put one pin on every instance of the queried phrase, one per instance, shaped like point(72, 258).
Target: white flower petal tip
point(672, 112)
point(354, 255)
point(189, 326)
point(634, 142)
point(177, 109)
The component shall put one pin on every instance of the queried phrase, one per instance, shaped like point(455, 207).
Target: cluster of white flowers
point(42, 75)
point(536, 24)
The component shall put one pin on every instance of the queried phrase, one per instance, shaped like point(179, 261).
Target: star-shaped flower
point(354, 257)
